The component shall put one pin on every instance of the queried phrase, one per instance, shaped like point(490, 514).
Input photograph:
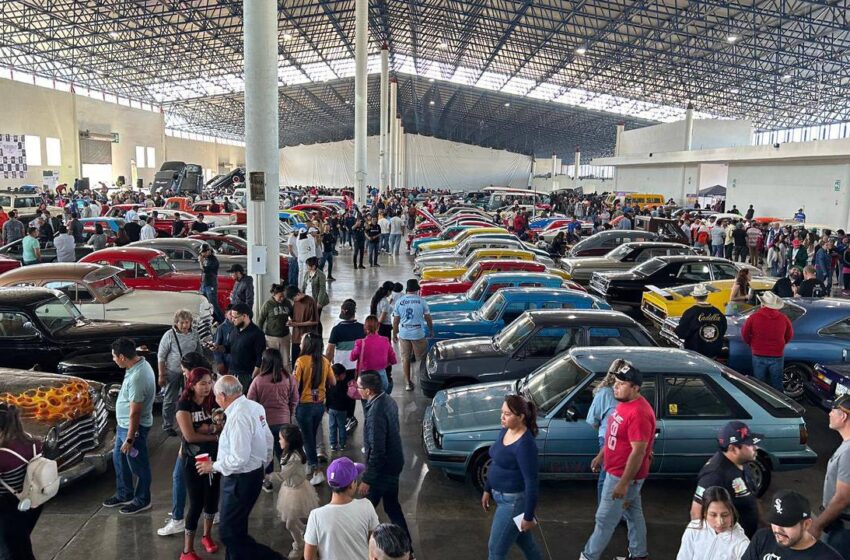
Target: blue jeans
point(608, 516)
point(309, 417)
point(292, 275)
point(178, 491)
point(127, 467)
point(374, 250)
point(504, 532)
point(717, 250)
point(601, 482)
point(211, 293)
point(385, 242)
point(327, 257)
point(769, 370)
point(385, 381)
point(336, 426)
point(395, 243)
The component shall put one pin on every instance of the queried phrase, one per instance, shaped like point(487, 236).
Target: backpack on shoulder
point(41, 482)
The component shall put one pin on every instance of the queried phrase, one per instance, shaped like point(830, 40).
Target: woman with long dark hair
point(313, 375)
point(381, 308)
point(18, 449)
point(200, 436)
point(277, 391)
point(716, 535)
point(740, 292)
point(512, 480)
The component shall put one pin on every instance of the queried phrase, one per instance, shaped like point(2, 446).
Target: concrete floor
point(444, 515)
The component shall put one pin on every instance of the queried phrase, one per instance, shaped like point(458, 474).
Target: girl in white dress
point(297, 498)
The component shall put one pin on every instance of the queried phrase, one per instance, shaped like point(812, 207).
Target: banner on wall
point(13, 156)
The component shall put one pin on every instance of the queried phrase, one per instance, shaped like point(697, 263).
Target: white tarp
point(431, 163)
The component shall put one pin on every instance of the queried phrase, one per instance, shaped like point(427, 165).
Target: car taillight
point(804, 434)
point(822, 380)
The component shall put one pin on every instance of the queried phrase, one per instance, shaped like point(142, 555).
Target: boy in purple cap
point(340, 530)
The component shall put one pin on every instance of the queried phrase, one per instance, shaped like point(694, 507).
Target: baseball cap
point(625, 371)
point(412, 285)
point(343, 471)
point(348, 309)
point(842, 402)
point(788, 508)
point(236, 268)
point(737, 433)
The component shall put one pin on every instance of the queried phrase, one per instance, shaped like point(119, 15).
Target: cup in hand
point(202, 458)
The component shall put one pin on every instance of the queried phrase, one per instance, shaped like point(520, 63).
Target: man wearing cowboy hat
point(766, 332)
point(702, 325)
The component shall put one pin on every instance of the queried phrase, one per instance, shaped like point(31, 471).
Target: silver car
point(183, 253)
point(623, 257)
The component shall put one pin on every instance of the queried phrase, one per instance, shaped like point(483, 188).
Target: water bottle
point(133, 452)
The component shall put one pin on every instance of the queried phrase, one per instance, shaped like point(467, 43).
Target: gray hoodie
point(174, 346)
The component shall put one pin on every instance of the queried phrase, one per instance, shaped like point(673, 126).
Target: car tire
point(760, 474)
point(479, 467)
point(794, 376)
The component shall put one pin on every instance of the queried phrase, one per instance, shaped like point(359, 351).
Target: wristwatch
point(129, 440)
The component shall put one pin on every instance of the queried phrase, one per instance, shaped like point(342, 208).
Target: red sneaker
point(209, 544)
point(190, 556)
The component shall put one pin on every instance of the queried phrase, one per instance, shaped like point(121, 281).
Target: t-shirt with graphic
point(631, 421)
point(720, 471)
point(411, 310)
point(763, 546)
point(200, 416)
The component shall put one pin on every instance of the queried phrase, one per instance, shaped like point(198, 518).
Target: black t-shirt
point(374, 233)
point(763, 546)
point(739, 236)
point(246, 349)
point(209, 271)
point(782, 288)
point(720, 471)
point(702, 328)
point(359, 234)
point(199, 227)
point(200, 416)
point(811, 288)
point(328, 242)
point(133, 230)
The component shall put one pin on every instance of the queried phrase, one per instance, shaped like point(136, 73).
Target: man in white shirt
point(341, 529)
point(64, 243)
point(244, 450)
point(148, 231)
point(396, 231)
point(131, 215)
point(384, 224)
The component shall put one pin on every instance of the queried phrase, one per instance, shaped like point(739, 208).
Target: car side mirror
point(571, 414)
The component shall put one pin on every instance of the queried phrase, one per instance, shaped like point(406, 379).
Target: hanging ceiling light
point(431, 80)
point(581, 50)
point(430, 103)
point(731, 38)
point(507, 104)
point(113, 34)
point(287, 36)
point(786, 77)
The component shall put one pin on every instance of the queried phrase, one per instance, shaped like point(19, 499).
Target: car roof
point(522, 275)
point(540, 292)
point(59, 271)
point(820, 303)
point(25, 296)
point(168, 242)
point(146, 252)
point(648, 244)
point(692, 258)
point(583, 317)
point(598, 359)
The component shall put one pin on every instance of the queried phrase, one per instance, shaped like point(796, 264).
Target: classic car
point(15, 250)
point(549, 232)
point(693, 398)
point(239, 215)
point(231, 245)
point(241, 231)
point(601, 243)
point(460, 284)
point(457, 255)
point(660, 304)
point(434, 234)
point(828, 383)
point(99, 293)
point(168, 216)
point(531, 340)
point(668, 229)
point(39, 327)
point(291, 219)
point(7, 264)
point(25, 204)
point(626, 287)
point(326, 210)
point(459, 238)
point(430, 273)
point(503, 307)
point(68, 416)
point(183, 253)
point(488, 285)
point(110, 227)
point(623, 257)
point(150, 270)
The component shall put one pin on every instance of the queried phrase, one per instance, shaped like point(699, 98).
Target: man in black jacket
point(384, 454)
point(702, 326)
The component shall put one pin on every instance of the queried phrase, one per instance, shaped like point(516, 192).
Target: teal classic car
point(487, 285)
point(693, 398)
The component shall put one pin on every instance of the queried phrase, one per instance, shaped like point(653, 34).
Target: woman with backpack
point(17, 448)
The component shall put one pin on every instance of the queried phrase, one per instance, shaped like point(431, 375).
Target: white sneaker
point(318, 478)
point(215, 519)
point(173, 527)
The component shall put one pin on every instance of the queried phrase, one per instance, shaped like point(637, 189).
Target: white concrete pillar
point(621, 127)
point(397, 153)
point(385, 117)
point(689, 127)
point(392, 161)
point(554, 164)
point(402, 157)
point(577, 163)
point(262, 128)
point(361, 42)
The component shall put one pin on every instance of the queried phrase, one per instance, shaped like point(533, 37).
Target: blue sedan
point(821, 335)
point(506, 305)
point(486, 286)
point(693, 398)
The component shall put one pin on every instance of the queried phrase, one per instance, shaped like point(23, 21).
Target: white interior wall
point(671, 181)
point(717, 133)
point(670, 137)
point(218, 158)
point(711, 174)
point(430, 162)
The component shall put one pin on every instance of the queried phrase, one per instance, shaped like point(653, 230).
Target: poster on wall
point(13, 156)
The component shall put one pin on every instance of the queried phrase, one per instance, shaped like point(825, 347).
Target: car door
point(180, 259)
point(539, 348)
point(693, 272)
point(81, 296)
point(834, 342)
point(20, 340)
point(724, 271)
point(572, 443)
point(693, 409)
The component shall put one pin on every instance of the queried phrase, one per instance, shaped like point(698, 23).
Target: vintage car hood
point(470, 409)
point(110, 330)
point(146, 305)
point(589, 263)
point(448, 320)
point(444, 299)
point(466, 348)
point(624, 276)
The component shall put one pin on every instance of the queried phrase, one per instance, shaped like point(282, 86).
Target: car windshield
point(619, 253)
point(475, 292)
point(514, 334)
point(58, 314)
point(650, 267)
point(490, 311)
point(548, 385)
point(161, 266)
point(109, 288)
point(473, 273)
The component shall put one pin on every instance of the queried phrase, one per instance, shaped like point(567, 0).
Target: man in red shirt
point(626, 454)
point(766, 332)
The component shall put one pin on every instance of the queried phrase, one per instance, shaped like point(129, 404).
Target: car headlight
point(51, 442)
point(431, 362)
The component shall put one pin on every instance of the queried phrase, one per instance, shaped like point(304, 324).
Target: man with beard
point(790, 517)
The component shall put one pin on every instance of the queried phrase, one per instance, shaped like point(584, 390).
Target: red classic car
point(203, 207)
point(162, 224)
point(460, 285)
point(232, 245)
point(324, 209)
point(8, 263)
point(149, 269)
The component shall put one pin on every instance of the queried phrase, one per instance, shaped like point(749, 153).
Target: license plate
point(841, 390)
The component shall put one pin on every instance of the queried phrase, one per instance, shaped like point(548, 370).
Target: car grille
point(430, 430)
point(204, 322)
point(76, 437)
point(668, 334)
point(654, 312)
point(599, 283)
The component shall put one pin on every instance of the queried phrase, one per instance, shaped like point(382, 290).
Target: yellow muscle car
point(658, 305)
point(466, 234)
point(430, 273)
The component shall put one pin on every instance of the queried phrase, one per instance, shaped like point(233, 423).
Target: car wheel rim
point(485, 470)
point(756, 474)
point(792, 381)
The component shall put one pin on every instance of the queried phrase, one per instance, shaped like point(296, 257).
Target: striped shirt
point(12, 469)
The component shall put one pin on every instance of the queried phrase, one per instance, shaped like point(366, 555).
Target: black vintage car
point(67, 414)
point(626, 288)
point(15, 250)
point(40, 327)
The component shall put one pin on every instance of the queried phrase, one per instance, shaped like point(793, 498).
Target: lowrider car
point(693, 398)
point(40, 327)
point(457, 255)
point(660, 304)
point(99, 293)
point(459, 238)
point(488, 285)
point(531, 340)
point(503, 307)
point(241, 231)
point(66, 414)
point(828, 383)
point(624, 257)
point(434, 234)
point(461, 284)
point(601, 243)
point(430, 273)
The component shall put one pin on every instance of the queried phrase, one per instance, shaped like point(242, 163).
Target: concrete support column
point(262, 127)
point(577, 163)
point(397, 152)
point(402, 157)
point(392, 161)
point(554, 165)
point(621, 127)
point(689, 127)
point(385, 118)
point(361, 42)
